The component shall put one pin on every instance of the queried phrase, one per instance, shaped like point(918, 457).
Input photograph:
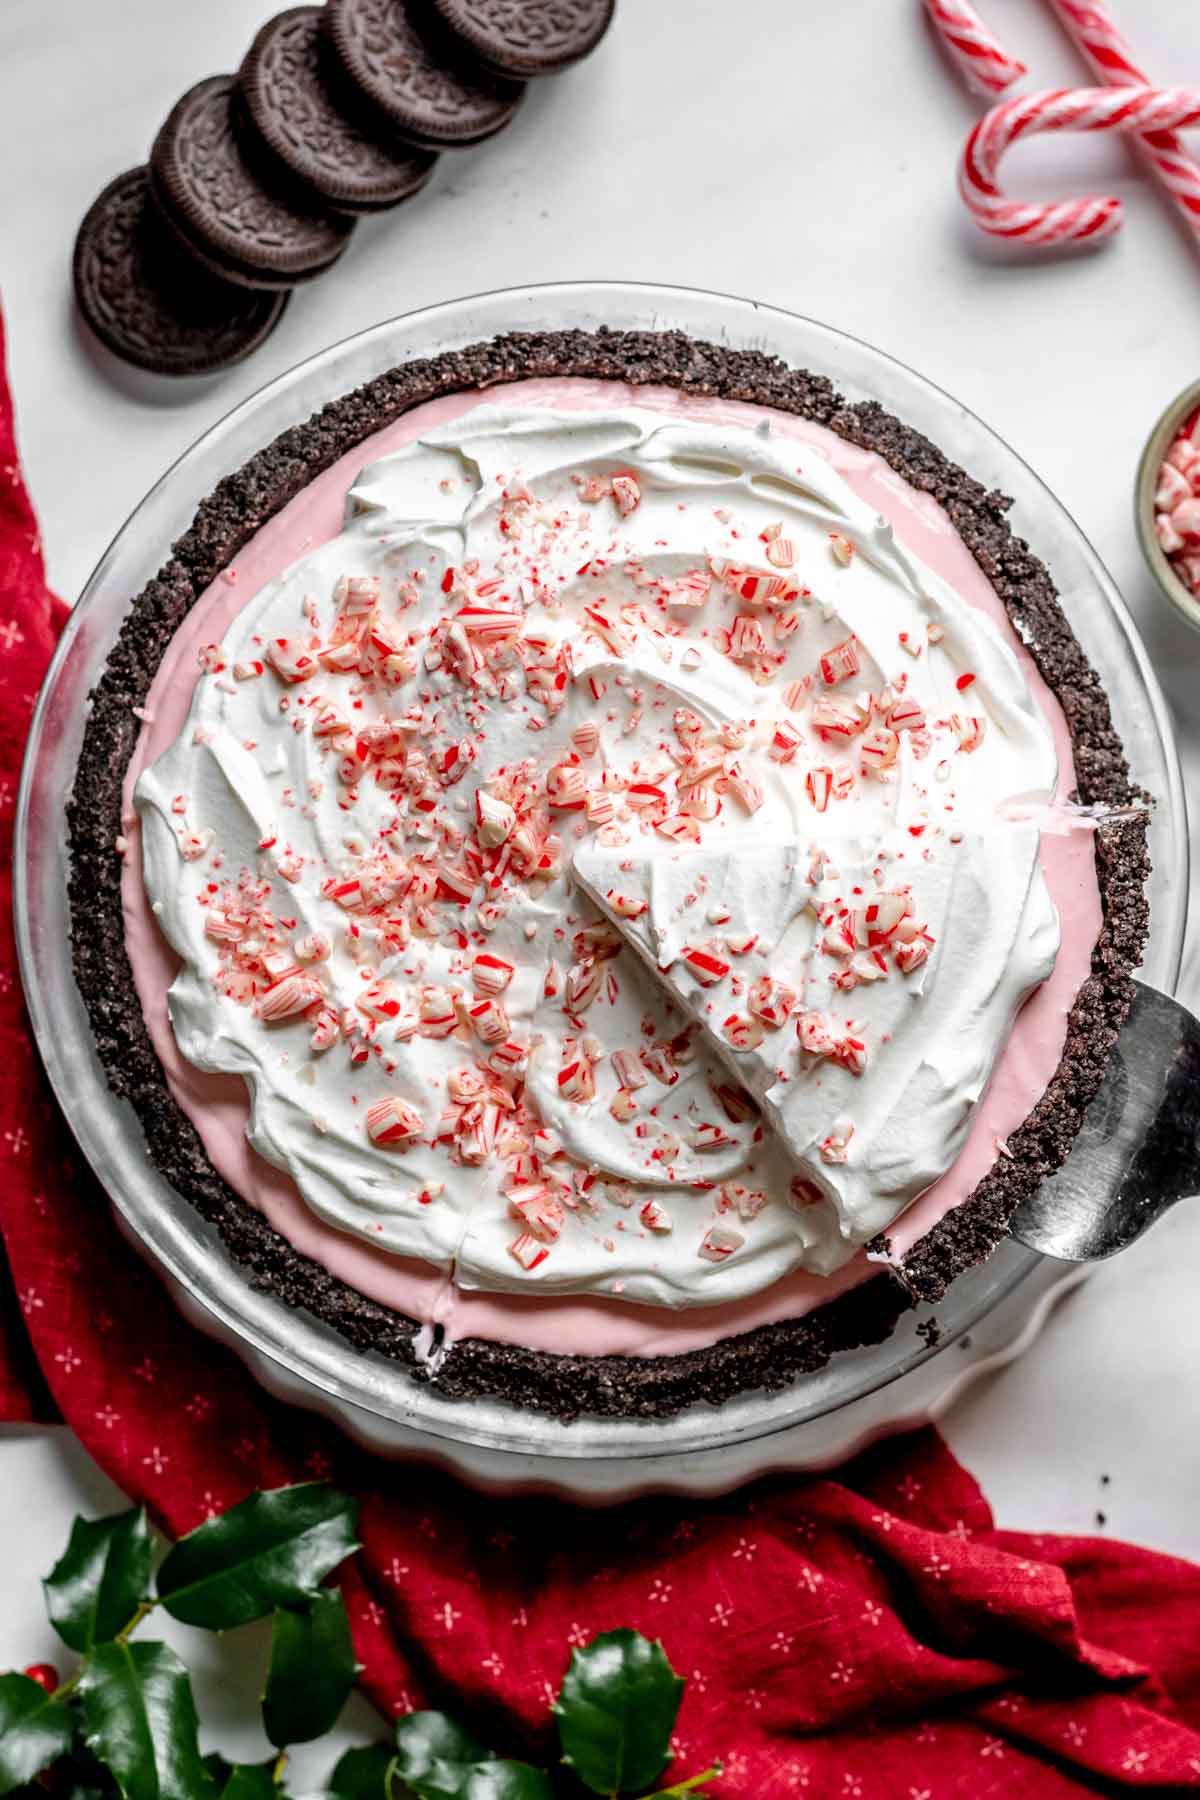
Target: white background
point(803, 155)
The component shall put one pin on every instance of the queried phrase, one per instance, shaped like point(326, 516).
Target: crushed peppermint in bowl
point(1167, 503)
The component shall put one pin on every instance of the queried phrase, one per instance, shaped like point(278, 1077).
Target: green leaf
point(440, 1761)
point(616, 1710)
point(95, 1586)
point(250, 1781)
point(498, 1781)
point(429, 1740)
point(311, 1672)
point(273, 1549)
point(361, 1774)
point(140, 1721)
point(34, 1731)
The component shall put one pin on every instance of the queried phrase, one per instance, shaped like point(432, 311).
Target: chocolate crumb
point(772, 1356)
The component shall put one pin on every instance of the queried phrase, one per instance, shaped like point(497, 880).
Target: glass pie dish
point(294, 1354)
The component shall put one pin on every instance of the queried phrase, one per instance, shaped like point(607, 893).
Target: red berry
point(45, 1674)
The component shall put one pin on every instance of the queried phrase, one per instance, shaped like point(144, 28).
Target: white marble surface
point(804, 155)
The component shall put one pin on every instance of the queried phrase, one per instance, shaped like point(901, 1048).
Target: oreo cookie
point(148, 302)
point(410, 77)
point(243, 225)
point(301, 106)
point(524, 38)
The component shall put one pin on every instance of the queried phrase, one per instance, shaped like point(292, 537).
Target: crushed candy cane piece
point(834, 1147)
point(393, 1121)
point(720, 1242)
point(539, 1210)
point(745, 787)
point(659, 1062)
point(494, 820)
point(491, 974)
point(528, 1252)
point(818, 785)
point(911, 956)
point(746, 638)
point(836, 718)
point(743, 1033)
point(656, 1218)
point(566, 785)
point(576, 1080)
point(628, 1068)
point(772, 1001)
point(706, 965)
point(815, 1035)
point(489, 1021)
point(785, 742)
point(437, 1013)
point(290, 660)
point(709, 1136)
point(326, 1030)
point(627, 494)
point(841, 663)
point(906, 714)
point(879, 748)
point(289, 995)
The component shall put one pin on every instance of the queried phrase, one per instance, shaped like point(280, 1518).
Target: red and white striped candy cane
point(1131, 111)
point(1096, 37)
point(986, 66)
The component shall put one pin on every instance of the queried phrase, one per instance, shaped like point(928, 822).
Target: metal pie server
point(1138, 1151)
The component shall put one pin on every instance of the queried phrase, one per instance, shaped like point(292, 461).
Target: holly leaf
point(616, 1711)
point(361, 1774)
point(273, 1549)
point(440, 1761)
point(311, 1671)
point(498, 1780)
point(94, 1588)
point(140, 1722)
point(249, 1781)
point(34, 1731)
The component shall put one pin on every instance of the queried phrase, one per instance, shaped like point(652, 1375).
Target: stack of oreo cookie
point(185, 264)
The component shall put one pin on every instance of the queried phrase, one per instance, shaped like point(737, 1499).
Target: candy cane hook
point(1132, 111)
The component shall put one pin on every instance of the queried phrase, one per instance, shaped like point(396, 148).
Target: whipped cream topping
point(516, 667)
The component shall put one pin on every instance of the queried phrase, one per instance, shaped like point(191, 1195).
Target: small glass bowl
point(1157, 444)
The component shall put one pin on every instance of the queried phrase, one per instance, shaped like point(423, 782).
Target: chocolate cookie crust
point(770, 1356)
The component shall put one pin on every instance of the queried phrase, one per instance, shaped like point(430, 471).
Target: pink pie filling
point(218, 1106)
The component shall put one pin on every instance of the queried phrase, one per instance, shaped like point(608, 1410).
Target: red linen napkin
point(868, 1635)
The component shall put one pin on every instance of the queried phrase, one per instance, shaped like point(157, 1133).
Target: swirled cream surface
point(597, 860)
